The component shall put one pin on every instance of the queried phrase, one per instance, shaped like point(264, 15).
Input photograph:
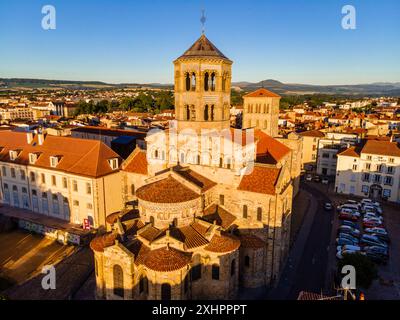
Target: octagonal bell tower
point(202, 87)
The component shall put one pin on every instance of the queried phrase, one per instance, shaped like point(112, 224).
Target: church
point(207, 207)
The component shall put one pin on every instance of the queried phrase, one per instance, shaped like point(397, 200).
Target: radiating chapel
point(207, 208)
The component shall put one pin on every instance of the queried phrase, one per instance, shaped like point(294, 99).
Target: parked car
point(348, 247)
point(351, 206)
point(353, 202)
point(349, 230)
point(369, 240)
point(350, 211)
point(376, 230)
point(343, 241)
point(369, 201)
point(328, 206)
point(369, 216)
point(317, 179)
point(340, 254)
point(348, 216)
point(377, 250)
point(309, 177)
point(325, 180)
point(372, 224)
point(348, 236)
point(383, 237)
point(350, 224)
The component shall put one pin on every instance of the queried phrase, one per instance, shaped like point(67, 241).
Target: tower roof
point(203, 48)
point(261, 93)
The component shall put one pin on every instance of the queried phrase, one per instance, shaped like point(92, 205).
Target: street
point(307, 264)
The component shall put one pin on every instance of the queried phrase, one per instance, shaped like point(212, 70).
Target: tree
point(164, 100)
point(366, 270)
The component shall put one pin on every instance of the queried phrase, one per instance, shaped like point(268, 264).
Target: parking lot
point(387, 286)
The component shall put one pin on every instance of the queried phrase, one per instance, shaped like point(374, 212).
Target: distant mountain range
point(378, 88)
point(372, 89)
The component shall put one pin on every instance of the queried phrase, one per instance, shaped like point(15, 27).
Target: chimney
point(29, 137)
point(40, 138)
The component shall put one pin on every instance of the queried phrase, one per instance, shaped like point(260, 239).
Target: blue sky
point(297, 41)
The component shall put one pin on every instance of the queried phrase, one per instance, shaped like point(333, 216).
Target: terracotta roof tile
point(223, 243)
point(167, 190)
point(77, 156)
point(203, 48)
point(216, 213)
point(150, 233)
point(100, 242)
point(384, 148)
point(261, 180)
point(137, 163)
point(196, 178)
point(350, 152)
point(262, 92)
point(139, 250)
point(251, 241)
point(312, 133)
point(269, 150)
point(189, 236)
point(166, 259)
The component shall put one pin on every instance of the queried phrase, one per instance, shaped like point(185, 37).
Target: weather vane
point(202, 20)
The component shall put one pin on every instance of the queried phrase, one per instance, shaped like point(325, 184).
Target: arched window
point(163, 155)
point(198, 159)
point(265, 124)
point(212, 81)
point(259, 214)
point(206, 79)
point(212, 113)
point(224, 83)
point(187, 80)
point(175, 222)
point(265, 108)
point(152, 220)
point(143, 285)
point(156, 154)
point(187, 113)
point(245, 211)
point(215, 272)
point(118, 280)
point(182, 157)
point(247, 261)
point(221, 162)
point(132, 189)
point(165, 291)
point(206, 112)
point(193, 81)
point(233, 267)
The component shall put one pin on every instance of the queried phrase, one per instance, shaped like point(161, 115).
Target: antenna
point(203, 21)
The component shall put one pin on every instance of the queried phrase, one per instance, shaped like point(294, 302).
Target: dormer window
point(54, 161)
point(113, 163)
point(32, 158)
point(13, 155)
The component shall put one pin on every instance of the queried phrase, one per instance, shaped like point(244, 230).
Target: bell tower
point(202, 87)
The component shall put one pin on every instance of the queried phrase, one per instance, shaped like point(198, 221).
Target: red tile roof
point(196, 178)
point(383, 148)
point(100, 242)
point(137, 162)
point(168, 190)
point(166, 259)
point(77, 156)
point(216, 213)
point(312, 133)
point(223, 243)
point(189, 236)
point(269, 150)
point(251, 241)
point(350, 152)
point(262, 92)
point(260, 180)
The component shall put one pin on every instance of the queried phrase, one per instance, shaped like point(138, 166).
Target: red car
point(371, 224)
point(348, 216)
